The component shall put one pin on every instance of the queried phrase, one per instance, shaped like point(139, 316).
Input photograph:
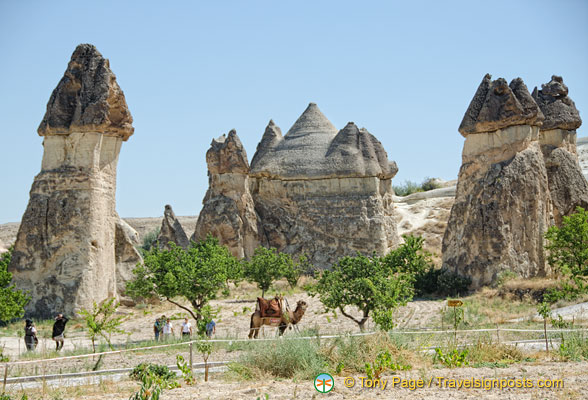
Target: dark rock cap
point(559, 110)
point(227, 154)
point(87, 99)
point(497, 105)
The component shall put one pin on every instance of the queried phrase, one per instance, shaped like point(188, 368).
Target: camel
point(287, 318)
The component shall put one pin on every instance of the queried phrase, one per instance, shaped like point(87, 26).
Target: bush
point(406, 188)
point(141, 371)
point(149, 238)
point(441, 282)
point(567, 248)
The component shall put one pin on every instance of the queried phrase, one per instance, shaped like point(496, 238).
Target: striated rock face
point(567, 185)
point(228, 212)
point(171, 231)
point(502, 206)
point(323, 192)
point(68, 244)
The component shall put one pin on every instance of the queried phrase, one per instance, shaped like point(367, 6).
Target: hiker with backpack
point(30, 338)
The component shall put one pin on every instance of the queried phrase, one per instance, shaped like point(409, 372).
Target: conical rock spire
point(87, 99)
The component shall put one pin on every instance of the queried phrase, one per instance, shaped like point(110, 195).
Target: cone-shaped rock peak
point(312, 121)
point(313, 148)
point(87, 99)
point(497, 105)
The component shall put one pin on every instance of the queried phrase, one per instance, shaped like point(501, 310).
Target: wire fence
point(228, 349)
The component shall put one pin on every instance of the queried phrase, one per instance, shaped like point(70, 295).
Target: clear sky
point(194, 70)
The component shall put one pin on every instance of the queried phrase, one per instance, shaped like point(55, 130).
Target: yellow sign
point(454, 303)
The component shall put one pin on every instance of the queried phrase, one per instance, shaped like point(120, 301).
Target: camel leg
point(282, 328)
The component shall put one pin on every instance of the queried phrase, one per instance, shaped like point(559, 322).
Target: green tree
point(567, 248)
point(267, 266)
point(12, 300)
point(102, 321)
point(367, 283)
point(196, 274)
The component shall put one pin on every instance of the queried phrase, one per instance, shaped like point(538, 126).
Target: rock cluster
point(515, 177)
point(315, 190)
point(72, 248)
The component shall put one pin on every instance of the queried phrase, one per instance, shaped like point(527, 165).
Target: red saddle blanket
point(269, 308)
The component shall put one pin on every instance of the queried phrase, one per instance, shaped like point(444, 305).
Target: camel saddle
point(270, 308)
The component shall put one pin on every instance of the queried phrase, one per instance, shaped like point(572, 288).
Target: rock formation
point(315, 190)
point(228, 212)
point(71, 238)
point(171, 231)
point(126, 257)
point(502, 206)
point(567, 185)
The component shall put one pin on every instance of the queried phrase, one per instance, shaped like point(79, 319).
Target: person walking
point(58, 331)
point(186, 329)
point(168, 330)
point(210, 328)
point(30, 338)
point(158, 327)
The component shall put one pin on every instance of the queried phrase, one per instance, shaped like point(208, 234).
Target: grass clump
point(288, 358)
point(488, 354)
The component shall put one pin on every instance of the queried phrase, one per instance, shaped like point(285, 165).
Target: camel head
point(301, 305)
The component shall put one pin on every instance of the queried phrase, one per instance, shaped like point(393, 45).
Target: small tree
point(368, 284)
point(544, 311)
point(568, 250)
point(102, 321)
point(12, 300)
point(196, 274)
point(266, 266)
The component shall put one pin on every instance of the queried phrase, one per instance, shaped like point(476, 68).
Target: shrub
point(441, 282)
point(12, 300)
point(141, 371)
point(452, 358)
point(149, 238)
point(567, 248)
point(408, 187)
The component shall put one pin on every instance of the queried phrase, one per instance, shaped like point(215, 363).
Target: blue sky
point(192, 71)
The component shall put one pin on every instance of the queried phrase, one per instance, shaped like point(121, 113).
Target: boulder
point(65, 253)
point(502, 207)
point(171, 231)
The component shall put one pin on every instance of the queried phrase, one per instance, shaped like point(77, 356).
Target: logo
point(324, 383)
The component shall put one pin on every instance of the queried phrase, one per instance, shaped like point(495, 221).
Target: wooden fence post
point(191, 370)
